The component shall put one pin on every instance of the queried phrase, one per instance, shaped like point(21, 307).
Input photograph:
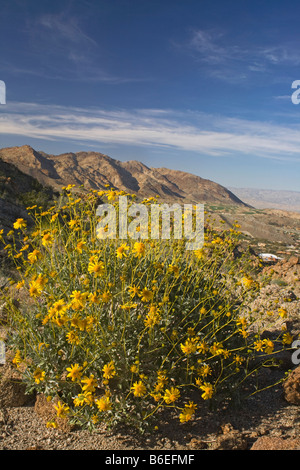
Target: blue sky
point(195, 85)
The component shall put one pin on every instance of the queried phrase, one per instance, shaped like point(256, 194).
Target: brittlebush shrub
point(120, 329)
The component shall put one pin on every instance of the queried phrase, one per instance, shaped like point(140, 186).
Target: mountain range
point(94, 170)
point(268, 198)
point(29, 177)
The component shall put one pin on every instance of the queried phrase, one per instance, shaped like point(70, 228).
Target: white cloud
point(165, 129)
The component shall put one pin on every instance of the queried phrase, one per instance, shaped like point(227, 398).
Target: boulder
point(12, 389)
point(275, 443)
point(45, 410)
point(291, 387)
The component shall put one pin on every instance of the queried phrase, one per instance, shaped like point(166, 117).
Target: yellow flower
point(73, 338)
point(51, 424)
point(139, 249)
point(82, 398)
point(202, 347)
point(74, 372)
point(216, 348)
point(134, 290)
point(204, 370)
point(62, 410)
point(17, 359)
point(109, 370)
point(171, 395)
point(80, 246)
point(47, 239)
point(106, 296)
point(207, 390)
point(96, 268)
point(34, 256)
point(20, 223)
point(78, 299)
point(239, 359)
point(247, 282)
point(188, 412)
point(121, 250)
point(39, 375)
point(258, 345)
point(268, 346)
point(162, 380)
point(35, 289)
point(134, 369)
point(287, 338)
point(282, 312)
point(128, 306)
point(198, 253)
point(90, 383)
point(73, 223)
point(146, 295)
point(139, 389)
point(244, 333)
point(54, 217)
point(20, 284)
point(242, 322)
point(189, 347)
point(94, 298)
point(173, 269)
point(41, 280)
point(103, 403)
point(59, 306)
point(111, 195)
point(152, 317)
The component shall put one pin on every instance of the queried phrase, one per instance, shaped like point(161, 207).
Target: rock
point(290, 296)
point(12, 389)
point(230, 439)
point(46, 411)
point(291, 387)
point(197, 444)
point(293, 260)
point(275, 443)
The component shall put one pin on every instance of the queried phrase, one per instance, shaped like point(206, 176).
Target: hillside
point(95, 170)
point(18, 191)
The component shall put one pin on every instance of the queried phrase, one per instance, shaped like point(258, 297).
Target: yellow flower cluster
point(133, 325)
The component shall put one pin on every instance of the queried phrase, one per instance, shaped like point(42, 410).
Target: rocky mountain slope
point(95, 170)
point(18, 191)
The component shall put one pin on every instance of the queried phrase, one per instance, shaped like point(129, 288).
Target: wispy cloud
point(226, 59)
point(58, 46)
point(164, 129)
point(63, 27)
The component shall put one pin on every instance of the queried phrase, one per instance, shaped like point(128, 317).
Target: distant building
point(269, 257)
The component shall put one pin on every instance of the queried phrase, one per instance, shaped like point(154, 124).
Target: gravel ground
point(264, 414)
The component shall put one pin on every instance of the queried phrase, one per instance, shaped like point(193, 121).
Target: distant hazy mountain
point(95, 170)
point(269, 199)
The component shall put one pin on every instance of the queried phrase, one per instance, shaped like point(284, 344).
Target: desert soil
point(265, 414)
